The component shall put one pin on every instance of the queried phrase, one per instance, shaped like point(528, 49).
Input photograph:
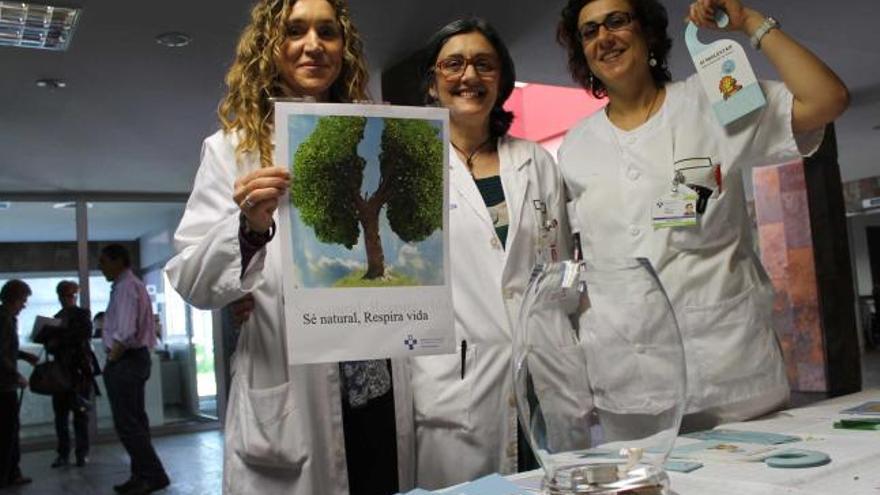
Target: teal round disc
point(797, 458)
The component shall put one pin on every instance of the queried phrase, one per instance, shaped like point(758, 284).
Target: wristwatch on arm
point(765, 27)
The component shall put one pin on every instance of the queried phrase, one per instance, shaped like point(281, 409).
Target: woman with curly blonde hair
point(255, 77)
point(332, 428)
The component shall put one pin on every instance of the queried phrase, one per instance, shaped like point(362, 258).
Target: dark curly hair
point(499, 119)
point(653, 20)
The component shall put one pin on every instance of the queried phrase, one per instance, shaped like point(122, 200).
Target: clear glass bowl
point(599, 376)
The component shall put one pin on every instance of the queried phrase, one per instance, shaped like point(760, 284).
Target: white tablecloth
point(854, 467)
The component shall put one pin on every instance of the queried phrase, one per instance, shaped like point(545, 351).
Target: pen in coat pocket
point(463, 356)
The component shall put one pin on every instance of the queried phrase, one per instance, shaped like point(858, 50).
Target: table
point(854, 467)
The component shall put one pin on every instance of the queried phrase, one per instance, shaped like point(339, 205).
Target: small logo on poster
point(410, 342)
point(728, 66)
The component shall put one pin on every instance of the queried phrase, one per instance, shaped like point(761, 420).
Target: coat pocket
point(633, 351)
point(270, 428)
point(730, 341)
point(560, 386)
point(441, 397)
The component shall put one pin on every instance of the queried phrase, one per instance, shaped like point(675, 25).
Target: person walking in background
point(13, 297)
point(69, 344)
point(129, 335)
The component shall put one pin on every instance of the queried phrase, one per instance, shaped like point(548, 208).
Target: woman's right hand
point(256, 194)
point(702, 13)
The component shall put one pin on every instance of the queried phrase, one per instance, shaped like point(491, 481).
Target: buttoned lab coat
point(284, 423)
point(466, 427)
point(721, 295)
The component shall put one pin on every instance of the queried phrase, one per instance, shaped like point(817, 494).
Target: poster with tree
point(364, 231)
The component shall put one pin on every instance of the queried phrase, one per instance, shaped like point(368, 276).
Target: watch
point(765, 27)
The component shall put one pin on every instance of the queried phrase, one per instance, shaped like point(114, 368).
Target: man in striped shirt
point(129, 335)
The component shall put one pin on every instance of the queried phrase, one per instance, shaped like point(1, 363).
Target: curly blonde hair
point(254, 78)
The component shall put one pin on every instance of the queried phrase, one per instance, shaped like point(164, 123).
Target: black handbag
point(50, 378)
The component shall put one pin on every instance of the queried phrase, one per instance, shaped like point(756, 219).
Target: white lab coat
point(466, 428)
point(720, 293)
point(284, 423)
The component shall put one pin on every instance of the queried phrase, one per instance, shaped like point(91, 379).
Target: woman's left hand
point(702, 13)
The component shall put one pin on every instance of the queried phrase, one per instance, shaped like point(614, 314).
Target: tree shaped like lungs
point(328, 174)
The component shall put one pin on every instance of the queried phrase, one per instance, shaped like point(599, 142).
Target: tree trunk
point(373, 244)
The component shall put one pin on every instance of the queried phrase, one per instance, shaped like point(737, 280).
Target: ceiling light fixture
point(49, 83)
point(173, 39)
point(29, 25)
point(68, 205)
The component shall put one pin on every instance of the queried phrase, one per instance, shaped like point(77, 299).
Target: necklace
point(651, 108)
point(647, 114)
point(469, 157)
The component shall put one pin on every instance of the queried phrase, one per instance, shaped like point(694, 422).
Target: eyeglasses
point(614, 21)
point(456, 65)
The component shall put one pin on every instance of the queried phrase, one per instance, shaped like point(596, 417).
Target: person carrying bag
point(50, 378)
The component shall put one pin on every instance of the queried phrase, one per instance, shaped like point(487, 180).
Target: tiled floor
point(194, 462)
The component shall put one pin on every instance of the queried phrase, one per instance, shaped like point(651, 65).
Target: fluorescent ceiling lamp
point(68, 205)
point(29, 25)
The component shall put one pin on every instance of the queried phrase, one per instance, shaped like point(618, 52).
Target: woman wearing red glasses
point(507, 211)
point(657, 138)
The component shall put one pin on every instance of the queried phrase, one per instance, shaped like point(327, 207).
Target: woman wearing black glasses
point(659, 141)
point(506, 212)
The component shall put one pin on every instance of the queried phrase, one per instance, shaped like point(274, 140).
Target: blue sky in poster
point(320, 264)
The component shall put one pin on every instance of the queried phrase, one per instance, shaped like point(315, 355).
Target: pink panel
point(544, 112)
point(788, 256)
point(515, 104)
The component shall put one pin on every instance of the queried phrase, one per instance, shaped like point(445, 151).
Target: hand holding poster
point(364, 231)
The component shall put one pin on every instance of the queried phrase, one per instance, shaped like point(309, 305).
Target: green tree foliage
point(327, 175)
point(412, 162)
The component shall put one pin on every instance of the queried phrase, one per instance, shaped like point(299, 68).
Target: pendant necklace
point(469, 157)
point(647, 115)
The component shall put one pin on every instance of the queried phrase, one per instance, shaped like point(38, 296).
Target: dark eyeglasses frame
point(484, 73)
point(614, 21)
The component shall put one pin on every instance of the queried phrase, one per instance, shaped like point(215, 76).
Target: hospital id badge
point(677, 208)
